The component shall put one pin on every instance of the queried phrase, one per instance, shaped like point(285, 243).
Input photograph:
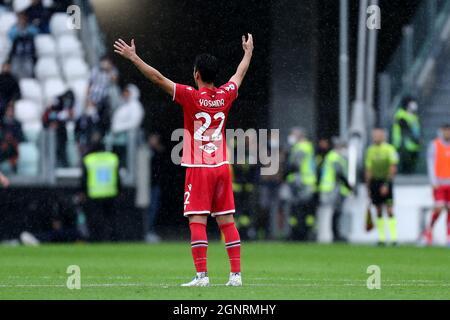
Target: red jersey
point(205, 117)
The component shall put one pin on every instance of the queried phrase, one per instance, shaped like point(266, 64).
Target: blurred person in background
point(406, 135)
point(39, 16)
point(127, 117)
point(11, 135)
point(9, 88)
point(101, 188)
point(268, 193)
point(301, 177)
point(322, 149)
point(56, 117)
point(23, 52)
point(334, 187)
point(86, 126)
point(102, 77)
point(439, 173)
point(245, 175)
point(158, 156)
point(381, 167)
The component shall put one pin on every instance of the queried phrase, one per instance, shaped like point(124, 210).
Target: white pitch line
point(159, 285)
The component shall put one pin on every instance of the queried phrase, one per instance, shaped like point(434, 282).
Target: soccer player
point(208, 185)
point(381, 168)
point(439, 173)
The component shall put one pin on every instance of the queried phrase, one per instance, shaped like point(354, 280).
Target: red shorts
point(208, 191)
point(442, 196)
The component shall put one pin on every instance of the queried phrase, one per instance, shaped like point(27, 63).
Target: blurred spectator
point(11, 126)
point(406, 135)
point(322, 149)
point(102, 77)
point(245, 181)
point(9, 88)
point(10, 136)
point(301, 177)
point(88, 125)
point(334, 186)
point(39, 16)
point(127, 117)
point(268, 194)
point(23, 52)
point(56, 118)
point(101, 187)
point(439, 174)
point(158, 157)
point(62, 224)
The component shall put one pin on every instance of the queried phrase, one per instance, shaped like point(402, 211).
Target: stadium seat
point(7, 20)
point(52, 89)
point(21, 5)
point(58, 25)
point(28, 163)
point(45, 45)
point(47, 3)
point(27, 111)
point(69, 46)
point(32, 131)
point(47, 68)
point(75, 68)
point(31, 90)
point(5, 46)
point(79, 88)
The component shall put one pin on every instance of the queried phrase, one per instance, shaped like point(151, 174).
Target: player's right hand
point(4, 181)
point(247, 43)
point(125, 50)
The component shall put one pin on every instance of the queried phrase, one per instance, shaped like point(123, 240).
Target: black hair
point(445, 126)
point(208, 67)
point(406, 101)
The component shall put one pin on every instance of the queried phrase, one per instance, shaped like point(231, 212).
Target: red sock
point(434, 218)
point(233, 245)
point(199, 243)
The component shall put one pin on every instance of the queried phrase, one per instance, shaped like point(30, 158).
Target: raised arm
point(129, 52)
point(247, 45)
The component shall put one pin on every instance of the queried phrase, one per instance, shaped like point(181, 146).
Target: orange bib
point(442, 164)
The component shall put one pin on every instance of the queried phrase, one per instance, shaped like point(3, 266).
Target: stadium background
point(295, 66)
point(293, 81)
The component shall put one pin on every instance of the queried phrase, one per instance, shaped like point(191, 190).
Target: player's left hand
point(247, 44)
point(125, 50)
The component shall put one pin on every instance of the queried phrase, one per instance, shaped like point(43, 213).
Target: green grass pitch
point(270, 270)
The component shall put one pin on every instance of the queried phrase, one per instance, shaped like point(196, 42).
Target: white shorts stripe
point(190, 213)
point(222, 213)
